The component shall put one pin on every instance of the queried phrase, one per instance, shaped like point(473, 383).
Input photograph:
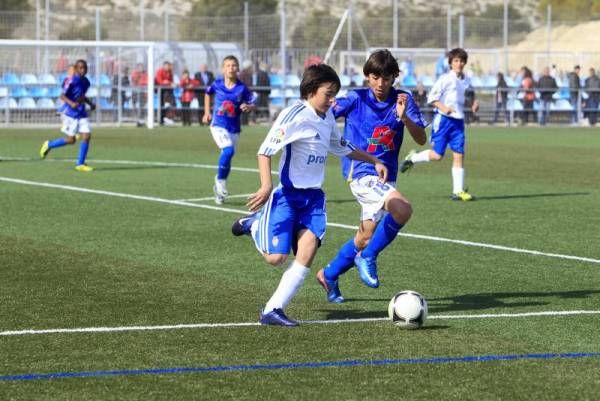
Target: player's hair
point(315, 76)
point(231, 57)
point(381, 63)
point(82, 61)
point(457, 53)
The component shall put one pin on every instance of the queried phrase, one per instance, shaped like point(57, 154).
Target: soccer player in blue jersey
point(448, 127)
point(375, 118)
point(293, 215)
point(75, 119)
point(231, 98)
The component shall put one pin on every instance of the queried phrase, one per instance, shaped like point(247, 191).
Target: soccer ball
point(408, 310)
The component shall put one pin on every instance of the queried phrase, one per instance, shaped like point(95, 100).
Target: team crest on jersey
point(382, 136)
point(227, 108)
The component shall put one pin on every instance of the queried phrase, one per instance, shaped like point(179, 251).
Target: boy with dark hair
point(293, 215)
point(75, 119)
point(448, 127)
point(231, 98)
point(375, 118)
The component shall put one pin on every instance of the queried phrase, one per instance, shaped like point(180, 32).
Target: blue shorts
point(447, 131)
point(288, 211)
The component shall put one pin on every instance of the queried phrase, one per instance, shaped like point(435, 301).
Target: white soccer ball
point(408, 310)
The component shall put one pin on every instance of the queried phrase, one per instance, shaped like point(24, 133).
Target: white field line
point(252, 324)
point(210, 198)
point(201, 206)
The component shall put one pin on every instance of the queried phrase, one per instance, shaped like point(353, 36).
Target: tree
point(13, 14)
point(577, 10)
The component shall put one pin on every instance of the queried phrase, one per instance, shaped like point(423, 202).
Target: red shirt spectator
point(164, 75)
point(188, 84)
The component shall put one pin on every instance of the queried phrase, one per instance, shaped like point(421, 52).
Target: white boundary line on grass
point(251, 324)
point(223, 209)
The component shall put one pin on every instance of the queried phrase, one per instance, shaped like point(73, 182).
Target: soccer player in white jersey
point(293, 215)
point(448, 127)
point(375, 118)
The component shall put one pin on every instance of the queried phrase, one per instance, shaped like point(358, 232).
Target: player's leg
point(69, 129)
point(438, 146)
point(457, 145)
point(226, 143)
point(84, 145)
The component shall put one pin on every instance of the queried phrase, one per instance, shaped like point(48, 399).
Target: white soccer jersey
point(449, 89)
point(306, 138)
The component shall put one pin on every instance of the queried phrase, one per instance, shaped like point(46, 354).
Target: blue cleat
point(333, 291)
point(243, 225)
point(276, 318)
point(367, 269)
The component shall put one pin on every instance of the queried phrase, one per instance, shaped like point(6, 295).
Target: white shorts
point(224, 138)
point(73, 126)
point(371, 195)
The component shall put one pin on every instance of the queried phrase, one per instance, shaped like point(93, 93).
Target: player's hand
point(401, 102)
point(206, 118)
point(245, 107)
point(449, 110)
point(382, 172)
point(475, 107)
point(259, 198)
point(92, 106)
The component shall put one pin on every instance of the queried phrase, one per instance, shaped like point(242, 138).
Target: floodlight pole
point(337, 35)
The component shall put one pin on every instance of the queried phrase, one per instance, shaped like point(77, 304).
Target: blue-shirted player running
point(231, 98)
point(293, 215)
point(448, 128)
point(75, 120)
point(375, 120)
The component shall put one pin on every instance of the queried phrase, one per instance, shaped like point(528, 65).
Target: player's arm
point(382, 170)
point(416, 131)
point(260, 197)
point(249, 101)
point(475, 106)
point(68, 101)
point(442, 107)
point(207, 116)
point(89, 102)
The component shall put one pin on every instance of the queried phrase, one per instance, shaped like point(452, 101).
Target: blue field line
point(303, 365)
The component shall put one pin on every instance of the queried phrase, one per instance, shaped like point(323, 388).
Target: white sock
point(291, 281)
point(458, 179)
point(421, 157)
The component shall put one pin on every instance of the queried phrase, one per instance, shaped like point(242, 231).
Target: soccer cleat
point(220, 191)
point(276, 318)
point(462, 196)
point(243, 225)
point(333, 291)
point(367, 270)
point(44, 150)
point(83, 168)
point(407, 163)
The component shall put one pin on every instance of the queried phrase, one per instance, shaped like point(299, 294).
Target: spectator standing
point(164, 80)
point(592, 87)
point(547, 87)
point(263, 91)
point(501, 98)
point(189, 86)
point(139, 80)
point(527, 85)
point(419, 94)
point(205, 77)
point(245, 76)
point(574, 88)
point(114, 96)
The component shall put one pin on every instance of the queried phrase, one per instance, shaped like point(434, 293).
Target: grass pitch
point(139, 242)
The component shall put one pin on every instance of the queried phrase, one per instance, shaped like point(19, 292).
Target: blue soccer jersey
point(76, 89)
point(227, 102)
point(374, 127)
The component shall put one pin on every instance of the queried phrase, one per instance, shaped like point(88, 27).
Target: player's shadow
point(481, 301)
point(528, 196)
point(341, 200)
point(343, 314)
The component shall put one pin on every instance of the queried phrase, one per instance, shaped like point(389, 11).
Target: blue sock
point(83, 149)
point(386, 231)
point(56, 143)
point(225, 162)
point(342, 262)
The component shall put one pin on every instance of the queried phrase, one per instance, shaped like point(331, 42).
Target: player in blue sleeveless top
point(375, 121)
point(75, 120)
point(231, 98)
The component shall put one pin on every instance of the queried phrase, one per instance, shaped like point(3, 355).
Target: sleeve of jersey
point(436, 91)
point(249, 96)
point(281, 135)
point(343, 105)
point(414, 113)
point(210, 89)
point(338, 145)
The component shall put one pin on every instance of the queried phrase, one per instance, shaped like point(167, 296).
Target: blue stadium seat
point(514, 104)
point(105, 92)
point(426, 80)
point(54, 91)
point(511, 82)
point(26, 103)
point(92, 92)
point(47, 79)
point(275, 80)
point(490, 81)
point(105, 104)
point(476, 82)
point(292, 80)
point(18, 92)
point(561, 105)
point(409, 81)
point(28, 79)
point(38, 91)
point(8, 102)
point(105, 80)
point(345, 80)
point(10, 79)
point(358, 79)
point(3, 91)
point(194, 104)
point(45, 103)
point(61, 77)
point(177, 92)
